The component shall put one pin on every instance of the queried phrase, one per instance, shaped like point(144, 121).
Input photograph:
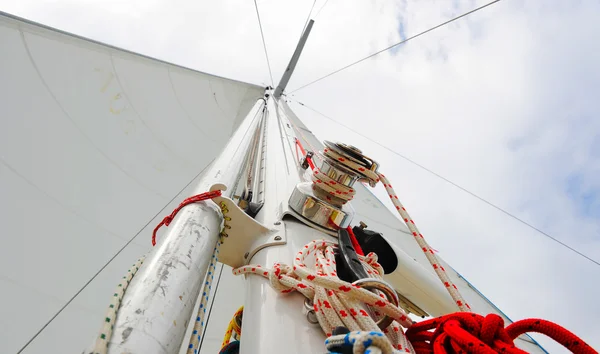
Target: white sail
point(97, 144)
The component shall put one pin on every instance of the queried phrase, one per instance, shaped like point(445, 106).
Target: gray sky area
point(500, 102)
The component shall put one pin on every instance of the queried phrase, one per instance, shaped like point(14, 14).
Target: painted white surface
point(95, 142)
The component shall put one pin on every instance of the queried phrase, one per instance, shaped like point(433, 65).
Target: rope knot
point(284, 279)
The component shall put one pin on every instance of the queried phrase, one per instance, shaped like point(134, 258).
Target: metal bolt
point(246, 255)
point(363, 225)
point(277, 238)
point(277, 223)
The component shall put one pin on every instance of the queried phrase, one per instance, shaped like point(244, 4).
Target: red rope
point(194, 199)
point(465, 332)
point(308, 158)
point(354, 241)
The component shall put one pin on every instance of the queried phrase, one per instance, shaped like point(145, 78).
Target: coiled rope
point(346, 193)
point(473, 333)
point(335, 302)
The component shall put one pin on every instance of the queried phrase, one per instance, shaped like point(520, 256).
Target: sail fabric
point(96, 144)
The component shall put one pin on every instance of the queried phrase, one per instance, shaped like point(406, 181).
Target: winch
point(323, 201)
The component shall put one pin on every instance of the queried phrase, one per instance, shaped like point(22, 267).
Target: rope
point(345, 193)
point(198, 330)
point(472, 333)
point(232, 327)
point(101, 345)
point(335, 302)
point(193, 199)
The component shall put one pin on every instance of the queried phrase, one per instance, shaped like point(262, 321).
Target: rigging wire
point(318, 12)
point(395, 45)
point(264, 44)
point(453, 184)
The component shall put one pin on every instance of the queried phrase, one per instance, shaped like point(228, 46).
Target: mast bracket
point(243, 235)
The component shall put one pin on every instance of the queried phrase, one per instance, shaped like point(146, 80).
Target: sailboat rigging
point(325, 266)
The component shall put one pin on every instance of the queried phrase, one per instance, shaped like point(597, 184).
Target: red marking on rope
point(345, 288)
point(253, 269)
point(326, 303)
point(380, 303)
point(364, 313)
point(343, 313)
point(330, 292)
point(287, 291)
point(266, 273)
point(435, 266)
point(442, 268)
point(425, 249)
point(447, 284)
point(341, 159)
point(353, 312)
point(309, 277)
point(414, 234)
point(361, 169)
point(396, 329)
point(302, 286)
point(454, 286)
point(194, 199)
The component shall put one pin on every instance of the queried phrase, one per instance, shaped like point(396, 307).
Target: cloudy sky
point(501, 103)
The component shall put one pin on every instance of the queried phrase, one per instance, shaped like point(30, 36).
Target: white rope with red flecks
point(346, 193)
point(336, 302)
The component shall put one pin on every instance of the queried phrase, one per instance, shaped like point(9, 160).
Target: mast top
point(292, 65)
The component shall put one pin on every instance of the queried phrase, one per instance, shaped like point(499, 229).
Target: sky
point(501, 103)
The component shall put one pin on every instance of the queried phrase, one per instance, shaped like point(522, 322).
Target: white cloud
point(501, 102)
